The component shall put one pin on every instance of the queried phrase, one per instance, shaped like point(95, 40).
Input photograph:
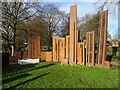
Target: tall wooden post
point(90, 48)
point(103, 37)
point(73, 44)
point(62, 50)
point(37, 46)
point(29, 43)
point(55, 48)
point(67, 48)
point(33, 44)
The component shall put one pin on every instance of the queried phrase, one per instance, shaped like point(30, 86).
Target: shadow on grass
point(30, 68)
point(16, 68)
point(13, 87)
point(17, 77)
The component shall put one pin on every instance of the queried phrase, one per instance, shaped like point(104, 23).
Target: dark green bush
point(118, 54)
point(114, 58)
point(117, 57)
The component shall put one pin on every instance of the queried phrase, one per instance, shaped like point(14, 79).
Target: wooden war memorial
point(75, 51)
point(70, 49)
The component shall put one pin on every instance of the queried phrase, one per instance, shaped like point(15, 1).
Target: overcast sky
point(88, 7)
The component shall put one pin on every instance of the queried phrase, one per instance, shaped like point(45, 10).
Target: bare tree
point(65, 25)
point(13, 15)
point(52, 16)
point(100, 4)
point(89, 23)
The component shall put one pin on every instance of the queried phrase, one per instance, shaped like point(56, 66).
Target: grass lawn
point(49, 75)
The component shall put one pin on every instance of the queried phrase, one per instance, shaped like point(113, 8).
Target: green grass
point(49, 75)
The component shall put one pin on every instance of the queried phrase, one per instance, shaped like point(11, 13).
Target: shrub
point(114, 58)
point(118, 54)
point(117, 57)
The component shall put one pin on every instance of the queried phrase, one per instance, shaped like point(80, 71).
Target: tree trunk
point(14, 43)
point(12, 47)
point(14, 39)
